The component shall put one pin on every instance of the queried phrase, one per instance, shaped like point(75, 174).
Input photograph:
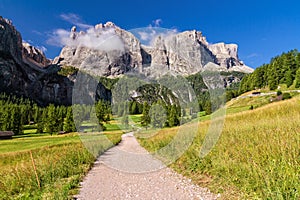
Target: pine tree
point(69, 125)
point(173, 118)
point(288, 78)
point(157, 115)
point(60, 117)
point(103, 112)
point(133, 108)
point(16, 121)
point(6, 119)
point(36, 113)
point(51, 125)
point(145, 119)
point(297, 78)
point(42, 120)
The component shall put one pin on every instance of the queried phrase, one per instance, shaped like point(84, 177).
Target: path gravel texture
point(128, 171)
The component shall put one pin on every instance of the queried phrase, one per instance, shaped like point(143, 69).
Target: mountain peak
point(108, 50)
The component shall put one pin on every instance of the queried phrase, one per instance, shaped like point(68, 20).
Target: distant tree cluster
point(160, 115)
point(17, 112)
point(283, 69)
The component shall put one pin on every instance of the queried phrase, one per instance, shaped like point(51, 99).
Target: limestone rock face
point(100, 61)
point(25, 71)
point(227, 56)
point(185, 53)
point(33, 55)
point(11, 41)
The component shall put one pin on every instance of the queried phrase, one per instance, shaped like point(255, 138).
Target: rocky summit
point(104, 50)
point(25, 71)
point(185, 53)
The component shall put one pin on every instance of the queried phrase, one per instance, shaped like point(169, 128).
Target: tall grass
point(59, 168)
point(257, 156)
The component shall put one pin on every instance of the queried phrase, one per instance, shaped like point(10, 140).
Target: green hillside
point(257, 156)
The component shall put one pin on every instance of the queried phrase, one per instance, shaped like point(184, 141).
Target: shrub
point(286, 96)
point(279, 92)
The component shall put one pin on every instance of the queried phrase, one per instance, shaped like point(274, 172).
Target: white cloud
point(99, 39)
point(74, 20)
point(42, 48)
point(37, 32)
point(253, 55)
point(157, 22)
point(149, 34)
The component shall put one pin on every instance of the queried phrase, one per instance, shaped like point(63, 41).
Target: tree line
point(16, 112)
point(158, 106)
point(283, 69)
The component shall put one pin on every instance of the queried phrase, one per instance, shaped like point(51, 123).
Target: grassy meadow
point(256, 157)
point(58, 165)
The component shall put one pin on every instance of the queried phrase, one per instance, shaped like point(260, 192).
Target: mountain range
point(105, 50)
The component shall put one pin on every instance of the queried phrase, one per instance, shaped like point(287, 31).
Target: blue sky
point(262, 29)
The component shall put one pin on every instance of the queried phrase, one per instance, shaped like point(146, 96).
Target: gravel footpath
point(127, 171)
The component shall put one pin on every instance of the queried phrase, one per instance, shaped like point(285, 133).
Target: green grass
point(29, 142)
point(256, 157)
point(61, 162)
point(111, 126)
point(243, 104)
point(136, 118)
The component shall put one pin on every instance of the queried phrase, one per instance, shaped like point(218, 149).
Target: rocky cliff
point(101, 59)
point(34, 56)
point(186, 53)
point(25, 71)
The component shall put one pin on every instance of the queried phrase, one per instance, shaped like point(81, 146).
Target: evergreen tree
point(103, 112)
point(51, 125)
point(145, 119)
point(288, 78)
point(16, 120)
point(173, 117)
point(69, 125)
point(42, 120)
point(157, 116)
point(6, 119)
point(36, 113)
point(281, 70)
point(60, 117)
point(133, 107)
point(297, 78)
point(140, 108)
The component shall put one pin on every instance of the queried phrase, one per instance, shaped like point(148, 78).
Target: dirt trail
point(127, 171)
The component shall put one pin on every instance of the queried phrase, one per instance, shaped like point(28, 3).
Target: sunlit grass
point(256, 157)
point(61, 162)
point(33, 142)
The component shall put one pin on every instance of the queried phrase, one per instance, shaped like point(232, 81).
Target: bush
point(286, 96)
point(279, 92)
point(67, 70)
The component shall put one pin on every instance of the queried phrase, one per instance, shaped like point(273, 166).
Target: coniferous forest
point(283, 69)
